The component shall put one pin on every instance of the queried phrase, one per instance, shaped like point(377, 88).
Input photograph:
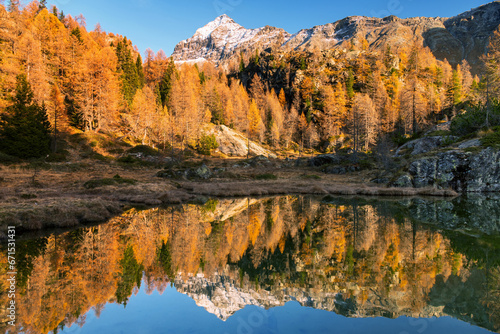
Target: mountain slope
point(224, 38)
point(464, 36)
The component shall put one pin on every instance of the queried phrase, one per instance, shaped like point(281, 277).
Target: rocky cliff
point(463, 170)
point(464, 36)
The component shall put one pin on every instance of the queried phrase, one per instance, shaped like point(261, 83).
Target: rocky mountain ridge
point(224, 38)
point(464, 36)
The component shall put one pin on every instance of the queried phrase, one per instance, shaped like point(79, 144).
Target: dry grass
point(59, 198)
point(248, 188)
point(47, 213)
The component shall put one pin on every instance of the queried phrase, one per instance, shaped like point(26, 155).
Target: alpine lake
point(288, 264)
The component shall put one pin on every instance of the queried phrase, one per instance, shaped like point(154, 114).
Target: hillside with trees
point(349, 97)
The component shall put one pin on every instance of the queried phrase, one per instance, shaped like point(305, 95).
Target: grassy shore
point(92, 191)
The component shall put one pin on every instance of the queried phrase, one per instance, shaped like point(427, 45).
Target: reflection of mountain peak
point(350, 256)
point(223, 297)
point(220, 296)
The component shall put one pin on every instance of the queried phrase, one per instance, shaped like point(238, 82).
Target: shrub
point(96, 156)
point(402, 139)
point(8, 159)
point(206, 144)
point(144, 149)
point(128, 159)
point(474, 119)
point(267, 176)
point(492, 139)
point(210, 206)
point(59, 156)
point(117, 179)
point(310, 177)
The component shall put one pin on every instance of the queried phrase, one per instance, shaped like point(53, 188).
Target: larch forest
point(351, 98)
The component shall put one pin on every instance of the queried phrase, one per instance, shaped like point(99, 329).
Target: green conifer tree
point(24, 127)
point(167, 82)
point(128, 69)
point(140, 71)
point(42, 5)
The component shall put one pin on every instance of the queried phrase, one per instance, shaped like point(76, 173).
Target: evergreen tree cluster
point(24, 127)
point(130, 71)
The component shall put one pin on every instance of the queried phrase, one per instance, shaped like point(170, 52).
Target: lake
point(288, 264)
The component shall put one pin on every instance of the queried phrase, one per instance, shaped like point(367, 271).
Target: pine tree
point(255, 124)
point(140, 71)
point(42, 5)
point(166, 83)
point(282, 99)
point(14, 6)
point(57, 100)
point(456, 86)
point(130, 78)
point(350, 85)
point(25, 128)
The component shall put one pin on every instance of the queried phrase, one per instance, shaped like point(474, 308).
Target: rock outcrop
point(423, 145)
point(456, 169)
point(234, 144)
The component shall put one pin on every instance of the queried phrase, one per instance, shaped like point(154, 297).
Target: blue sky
point(161, 24)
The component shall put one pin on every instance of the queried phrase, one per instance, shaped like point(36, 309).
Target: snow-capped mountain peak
point(222, 38)
point(221, 21)
point(464, 36)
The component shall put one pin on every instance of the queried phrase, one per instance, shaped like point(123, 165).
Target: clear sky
point(161, 24)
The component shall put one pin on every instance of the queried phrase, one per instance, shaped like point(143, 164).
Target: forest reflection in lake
point(354, 258)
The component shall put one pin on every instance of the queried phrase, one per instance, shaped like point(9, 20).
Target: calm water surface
point(285, 264)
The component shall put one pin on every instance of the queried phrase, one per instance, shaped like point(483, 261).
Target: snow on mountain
point(223, 296)
point(464, 36)
point(221, 38)
point(220, 295)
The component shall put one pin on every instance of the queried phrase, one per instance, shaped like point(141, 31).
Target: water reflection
point(354, 257)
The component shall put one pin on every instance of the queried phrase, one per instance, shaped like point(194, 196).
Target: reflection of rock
point(475, 212)
point(231, 208)
point(460, 297)
point(356, 257)
point(223, 296)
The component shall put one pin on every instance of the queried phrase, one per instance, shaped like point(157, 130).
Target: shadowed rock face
point(471, 31)
point(464, 36)
point(461, 171)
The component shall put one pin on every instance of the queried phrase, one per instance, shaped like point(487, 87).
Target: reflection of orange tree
point(287, 241)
